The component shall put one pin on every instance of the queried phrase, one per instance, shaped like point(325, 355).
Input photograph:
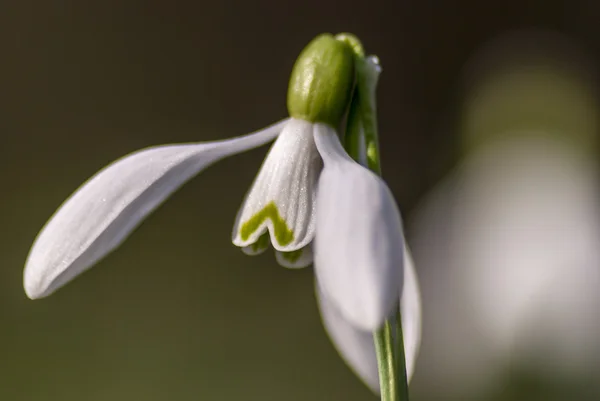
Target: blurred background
point(487, 114)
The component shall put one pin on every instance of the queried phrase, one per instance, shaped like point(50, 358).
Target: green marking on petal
point(282, 232)
point(261, 244)
point(293, 256)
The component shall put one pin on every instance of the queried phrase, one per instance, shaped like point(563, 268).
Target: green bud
point(322, 81)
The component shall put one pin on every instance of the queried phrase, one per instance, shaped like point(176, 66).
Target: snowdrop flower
point(308, 193)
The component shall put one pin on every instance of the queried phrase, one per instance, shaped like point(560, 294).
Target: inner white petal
point(296, 259)
point(282, 198)
point(111, 204)
point(260, 246)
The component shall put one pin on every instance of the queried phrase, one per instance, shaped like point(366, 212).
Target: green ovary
point(282, 232)
point(322, 80)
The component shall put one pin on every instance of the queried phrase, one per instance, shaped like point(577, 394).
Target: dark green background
point(179, 313)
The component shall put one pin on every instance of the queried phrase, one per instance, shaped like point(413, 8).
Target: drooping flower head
point(309, 197)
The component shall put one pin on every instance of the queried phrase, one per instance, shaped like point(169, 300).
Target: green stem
point(386, 363)
point(354, 131)
point(401, 359)
point(366, 100)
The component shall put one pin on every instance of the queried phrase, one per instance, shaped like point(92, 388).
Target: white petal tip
point(33, 289)
point(295, 259)
point(254, 250)
point(371, 317)
point(32, 293)
point(355, 346)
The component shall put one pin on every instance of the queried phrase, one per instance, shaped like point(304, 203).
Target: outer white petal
point(358, 245)
point(286, 187)
point(356, 346)
point(109, 206)
point(296, 259)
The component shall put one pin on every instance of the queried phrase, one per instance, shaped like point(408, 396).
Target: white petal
point(358, 245)
point(295, 259)
point(356, 346)
point(109, 206)
point(282, 198)
point(410, 306)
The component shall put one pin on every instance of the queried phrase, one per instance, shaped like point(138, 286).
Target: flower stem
point(362, 144)
point(401, 359)
point(386, 363)
point(365, 92)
